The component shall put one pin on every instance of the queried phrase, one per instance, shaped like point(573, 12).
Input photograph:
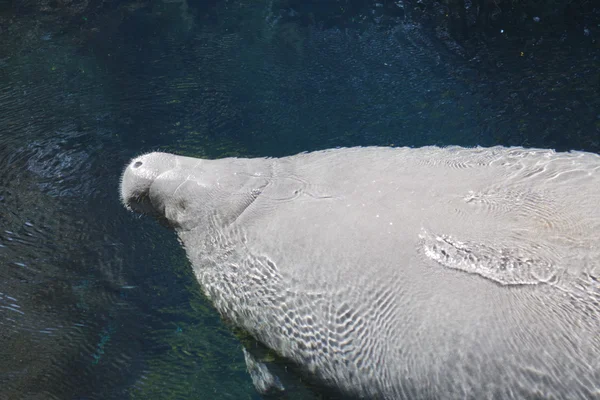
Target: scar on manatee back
point(503, 266)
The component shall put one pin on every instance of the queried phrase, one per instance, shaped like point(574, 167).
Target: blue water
point(96, 303)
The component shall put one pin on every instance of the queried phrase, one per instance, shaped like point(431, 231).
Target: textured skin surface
point(399, 273)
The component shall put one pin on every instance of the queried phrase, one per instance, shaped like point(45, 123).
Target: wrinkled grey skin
point(397, 273)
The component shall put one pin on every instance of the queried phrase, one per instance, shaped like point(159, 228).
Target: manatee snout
point(138, 178)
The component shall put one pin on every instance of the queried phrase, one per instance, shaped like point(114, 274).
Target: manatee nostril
point(137, 164)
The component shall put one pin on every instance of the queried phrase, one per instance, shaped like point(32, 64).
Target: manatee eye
point(137, 164)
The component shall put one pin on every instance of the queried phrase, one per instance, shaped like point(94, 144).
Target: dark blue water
point(96, 303)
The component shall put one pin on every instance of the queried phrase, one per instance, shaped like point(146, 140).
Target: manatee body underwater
point(398, 273)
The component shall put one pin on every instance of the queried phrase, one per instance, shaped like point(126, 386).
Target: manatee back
point(402, 273)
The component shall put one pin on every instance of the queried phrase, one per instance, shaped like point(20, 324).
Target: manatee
point(397, 273)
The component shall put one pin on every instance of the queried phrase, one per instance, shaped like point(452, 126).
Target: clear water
point(96, 303)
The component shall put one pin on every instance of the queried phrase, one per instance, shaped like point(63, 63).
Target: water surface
point(96, 303)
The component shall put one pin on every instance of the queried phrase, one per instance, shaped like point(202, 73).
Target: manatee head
point(182, 192)
point(138, 178)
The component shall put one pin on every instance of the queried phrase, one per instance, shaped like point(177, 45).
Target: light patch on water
point(12, 309)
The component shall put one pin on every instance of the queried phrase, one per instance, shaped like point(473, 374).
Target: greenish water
point(96, 303)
